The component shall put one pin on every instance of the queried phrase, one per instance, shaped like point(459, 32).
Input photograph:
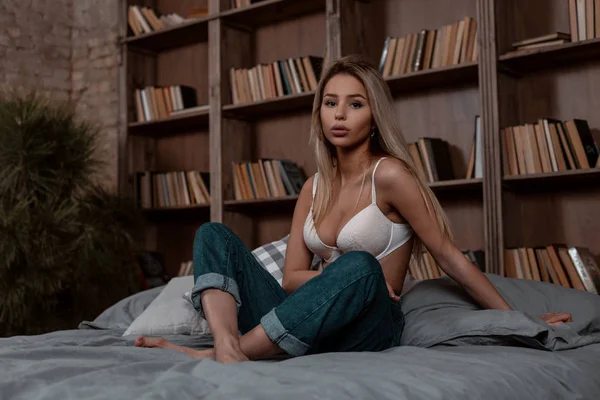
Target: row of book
point(584, 24)
point(156, 189)
point(142, 20)
point(433, 161)
point(537, 42)
point(266, 178)
point(451, 44)
point(427, 268)
point(584, 19)
point(549, 145)
point(278, 78)
point(157, 102)
point(568, 266)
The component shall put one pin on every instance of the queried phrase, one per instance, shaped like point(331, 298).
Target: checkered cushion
point(272, 257)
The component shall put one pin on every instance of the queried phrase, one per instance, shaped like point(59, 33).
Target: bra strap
point(373, 197)
point(314, 188)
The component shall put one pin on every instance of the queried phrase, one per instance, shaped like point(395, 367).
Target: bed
point(451, 350)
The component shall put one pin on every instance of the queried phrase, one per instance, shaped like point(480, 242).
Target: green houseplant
point(66, 242)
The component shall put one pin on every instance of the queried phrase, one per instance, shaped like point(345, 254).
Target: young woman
point(366, 212)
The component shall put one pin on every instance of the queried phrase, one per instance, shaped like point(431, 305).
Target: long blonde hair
point(388, 140)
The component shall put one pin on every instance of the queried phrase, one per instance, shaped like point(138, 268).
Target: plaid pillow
point(272, 257)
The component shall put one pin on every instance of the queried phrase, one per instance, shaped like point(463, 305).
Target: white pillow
point(170, 313)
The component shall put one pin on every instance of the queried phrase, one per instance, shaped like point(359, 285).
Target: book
point(451, 44)
point(548, 145)
point(557, 263)
point(278, 78)
point(266, 178)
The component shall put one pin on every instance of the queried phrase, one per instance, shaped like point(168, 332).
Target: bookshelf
point(441, 102)
point(449, 76)
point(264, 108)
point(170, 38)
point(558, 82)
point(488, 213)
point(171, 125)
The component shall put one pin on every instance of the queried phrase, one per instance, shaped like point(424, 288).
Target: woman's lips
point(338, 130)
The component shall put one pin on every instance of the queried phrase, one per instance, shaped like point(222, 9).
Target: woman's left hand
point(393, 295)
point(555, 319)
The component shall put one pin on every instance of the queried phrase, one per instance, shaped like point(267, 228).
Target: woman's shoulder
point(305, 197)
point(307, 187)
point(391, 171)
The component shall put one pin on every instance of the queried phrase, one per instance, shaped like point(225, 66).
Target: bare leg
point(144, 341)
point(254, 345)
point(257, 345)
point(221, 313)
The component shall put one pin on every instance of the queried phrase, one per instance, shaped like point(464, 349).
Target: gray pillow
point(121, 314)
point(171, 313)
point(439, 312)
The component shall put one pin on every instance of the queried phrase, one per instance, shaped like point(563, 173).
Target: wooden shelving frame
point(331, 28)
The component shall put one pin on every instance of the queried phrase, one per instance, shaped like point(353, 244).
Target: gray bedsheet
point(438, 361)
point(100, 364)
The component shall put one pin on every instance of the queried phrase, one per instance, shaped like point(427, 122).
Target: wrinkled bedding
point(100, 364)
point(465, 359)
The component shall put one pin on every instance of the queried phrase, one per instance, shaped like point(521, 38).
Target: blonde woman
point(365, 213)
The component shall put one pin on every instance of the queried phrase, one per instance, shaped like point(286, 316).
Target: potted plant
point(66, 242)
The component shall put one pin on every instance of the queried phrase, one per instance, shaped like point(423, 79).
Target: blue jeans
point(345, 308)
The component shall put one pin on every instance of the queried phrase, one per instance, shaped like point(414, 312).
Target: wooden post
point(492, 167)
point(215, 123)
point(122, 186)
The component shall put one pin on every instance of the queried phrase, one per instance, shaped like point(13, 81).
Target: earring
point(372, 132)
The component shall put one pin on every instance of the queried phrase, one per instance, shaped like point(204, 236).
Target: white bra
point(369, 230)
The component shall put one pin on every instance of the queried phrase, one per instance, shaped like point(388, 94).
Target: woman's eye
point(356, 105)
point(329, 103)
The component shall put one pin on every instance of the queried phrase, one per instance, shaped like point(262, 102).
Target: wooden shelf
point(270, 11)
point(171, 125)
point(552, 179)
point(552, 56)
point(256, 204)
point(456, 185)
point(187, 33)
point(263, 108)
point(434, 78)
point(441, 100)
point(170, 213)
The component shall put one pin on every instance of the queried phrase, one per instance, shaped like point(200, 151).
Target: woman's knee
point(358, 261)
point(209, 238)
point(209, 233)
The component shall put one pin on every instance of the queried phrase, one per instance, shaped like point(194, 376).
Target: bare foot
point(144, 341)
point(227, 351)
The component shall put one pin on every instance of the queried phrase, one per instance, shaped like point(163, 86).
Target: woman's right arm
point(296, 269)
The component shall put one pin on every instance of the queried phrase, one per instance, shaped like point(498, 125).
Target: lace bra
point(369, 230)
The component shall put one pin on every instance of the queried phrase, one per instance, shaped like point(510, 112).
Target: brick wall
point(35, 45)
point(67, 49)
point(95, 72)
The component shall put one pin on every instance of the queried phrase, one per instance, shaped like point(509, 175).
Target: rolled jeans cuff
point(281, 337)
point(213, 280)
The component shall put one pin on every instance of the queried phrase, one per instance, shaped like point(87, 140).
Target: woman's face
point(345, 111)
